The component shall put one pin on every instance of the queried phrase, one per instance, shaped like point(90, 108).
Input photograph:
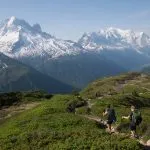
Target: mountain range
point(15, 76)
point(125, 47)
point(107, 52)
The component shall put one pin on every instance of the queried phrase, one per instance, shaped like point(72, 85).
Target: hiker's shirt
point(110, 114)
point(132, 120)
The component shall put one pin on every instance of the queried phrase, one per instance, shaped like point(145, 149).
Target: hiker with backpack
point(135, 120)
point(111, 117)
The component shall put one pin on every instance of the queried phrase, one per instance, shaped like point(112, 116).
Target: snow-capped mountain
point(74, 63)
point(113, 38)
point(127, 48)
point(19, 39)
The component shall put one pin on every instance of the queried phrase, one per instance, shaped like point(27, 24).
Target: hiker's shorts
point(133, 127)
point(109, 121)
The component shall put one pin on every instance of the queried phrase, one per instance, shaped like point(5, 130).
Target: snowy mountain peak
point(15, 22)
point(114, 38)
point(20, 39)
point(11, 21)
point(113, 29)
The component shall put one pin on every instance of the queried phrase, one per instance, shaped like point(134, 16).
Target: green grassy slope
point(121, 92)
point(49, 126)
point(54, 125)
point(123, 84)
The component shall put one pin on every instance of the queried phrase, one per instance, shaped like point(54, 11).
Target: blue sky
point(69, 19)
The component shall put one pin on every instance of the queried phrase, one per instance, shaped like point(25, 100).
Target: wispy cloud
point(139, 15)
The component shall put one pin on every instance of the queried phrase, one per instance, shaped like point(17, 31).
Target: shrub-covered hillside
point(8, 99)
point(121, 92)
point(123, 84)
point(50, 126)
point(146, 70)
point(61, 121)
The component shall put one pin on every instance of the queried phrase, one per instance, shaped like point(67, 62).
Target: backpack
point(112, 115)
point(137, 118)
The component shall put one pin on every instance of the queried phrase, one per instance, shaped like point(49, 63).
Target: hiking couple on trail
point(135, 119)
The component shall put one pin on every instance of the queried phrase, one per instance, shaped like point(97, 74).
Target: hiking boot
point(134, 136)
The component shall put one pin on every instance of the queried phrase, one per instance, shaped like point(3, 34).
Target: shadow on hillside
point(101, 125)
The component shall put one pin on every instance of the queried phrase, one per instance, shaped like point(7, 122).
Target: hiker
point(89, 108)
point(135, 120)
point(111, 117)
